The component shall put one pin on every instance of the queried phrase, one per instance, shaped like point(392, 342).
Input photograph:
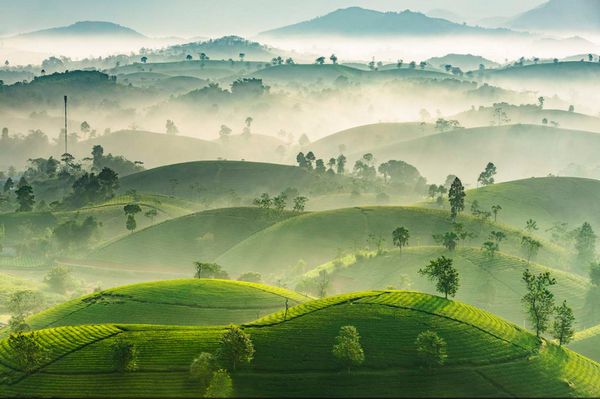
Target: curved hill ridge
point(193, 302)
point(518, 151)
point(487, 356)
point(246, 178)
point(587, 343)
point(546, 200)
point(492, 284)
point(243, 239)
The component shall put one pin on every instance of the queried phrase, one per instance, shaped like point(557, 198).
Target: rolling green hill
point(246, 178)
point(154, 149)
point(487, 356)
point(193, 302)
point(359, 138)
point(172, 246)
point(587, 343)
point(529, 114)
point(281, 245)
point(479, 275)
point(546, 200)
point(518, 151)
point(242, 239)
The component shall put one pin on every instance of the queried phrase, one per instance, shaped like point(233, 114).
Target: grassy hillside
point(563, 72)
point(529, 114)
point(518, 151)
point(546, 200)
point(587, 343)
point(259, 147)
point(487, 356)
point(172, 246)
point(478, 276)
point(191, 302)
point(281, 245)
point(242, 239)
point(246, 178)
point(359, 138)
point(154, 149)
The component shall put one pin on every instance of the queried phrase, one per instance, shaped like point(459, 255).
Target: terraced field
point(478, 275)
point(192, 302)
point(487, 356)
point(546, 200)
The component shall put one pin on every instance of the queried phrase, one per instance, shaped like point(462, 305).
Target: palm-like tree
point(400, 237)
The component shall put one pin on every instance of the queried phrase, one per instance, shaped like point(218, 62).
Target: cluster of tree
point(92, 188)
point(310, 162)
point(118, 164)
point(442, 125)
point(278, 203)
point(210, 270)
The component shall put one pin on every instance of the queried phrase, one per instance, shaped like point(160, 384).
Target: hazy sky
point(189, 18)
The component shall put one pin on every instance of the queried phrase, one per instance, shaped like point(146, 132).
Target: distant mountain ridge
point(356, 21)
point(85, 28)
point(560, 15)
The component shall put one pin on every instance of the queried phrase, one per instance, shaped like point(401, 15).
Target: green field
point(192, 302)
point(246, 178)
point(518, 151)
point(284, 243)
point(242, 239)
point(504, 273)
point(546, 200)
point(359, 138)
point(587, 343)
point(487, 356)
point(174, 245)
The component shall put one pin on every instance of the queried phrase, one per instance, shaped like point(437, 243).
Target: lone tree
point(171, 128)
point(450, 240)
point(400, 237)
point(456, 197)
point(200, 267)
point(151, 214)
point(486, 178)
point(28, 352)
point(203, 368)
point(562, 328)
point(300, 203)
point(539, 301)
point(347, 349)
point(431, 349)
point(446, 277)
point(531, 245)
point(25, 198)
point(235, 347)
point(585, 244)
point(130, 211)
point(220, 386)
point(125, 355)
point(495, 210)
point(21, 305)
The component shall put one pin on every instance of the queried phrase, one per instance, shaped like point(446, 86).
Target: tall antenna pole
point(66, 149)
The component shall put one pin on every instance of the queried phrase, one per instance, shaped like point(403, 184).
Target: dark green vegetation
point(194, 302)
point(215, 178)
point(493, 284)
point(487, 356)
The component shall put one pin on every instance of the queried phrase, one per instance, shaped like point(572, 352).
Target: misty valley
point(345, 199)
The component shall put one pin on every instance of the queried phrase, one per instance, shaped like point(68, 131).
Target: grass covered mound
point(587, 343)
point(246, 178)
point(494, 284)
point(175, 244)
point(284, 243)
point(487, 356)
point(546, 200)
point(193, 302)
